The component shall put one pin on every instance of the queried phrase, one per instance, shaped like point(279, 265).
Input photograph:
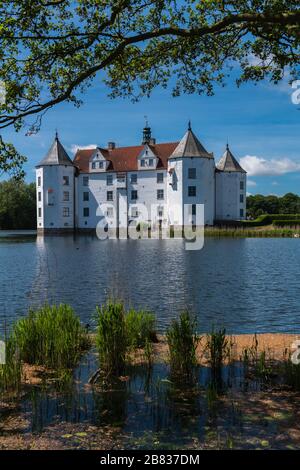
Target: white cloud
point(251, 183)
point(275, 183)
point(256, 166)
point(75, 147)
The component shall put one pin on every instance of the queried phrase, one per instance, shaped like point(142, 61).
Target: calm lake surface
point(246, 285)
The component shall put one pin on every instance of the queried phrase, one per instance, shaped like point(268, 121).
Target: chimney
point(111, 145)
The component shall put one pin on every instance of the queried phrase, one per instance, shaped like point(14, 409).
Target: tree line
point(259, 204)
point(17, 205)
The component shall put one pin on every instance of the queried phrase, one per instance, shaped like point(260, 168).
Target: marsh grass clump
point(218, 348)
point(182, 341)
point(111, 337)
point(11, 371)
point(51, 336)
point(140, 328)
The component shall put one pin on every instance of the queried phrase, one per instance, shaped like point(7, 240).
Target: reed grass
point(217, 347)
point(140, 328)
point(111, 337)
point(182, 341)
point(119, 333)
point(51, 336)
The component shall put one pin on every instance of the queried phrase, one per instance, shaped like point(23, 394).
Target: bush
point(140, 328)
point(51, 336)
point(268, 219)
point(183, 341)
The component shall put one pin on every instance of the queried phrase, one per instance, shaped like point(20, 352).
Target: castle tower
point(191, 179)
point(230, 188)
point(55, 176)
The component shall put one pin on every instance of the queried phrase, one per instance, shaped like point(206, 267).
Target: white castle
point(151, 182)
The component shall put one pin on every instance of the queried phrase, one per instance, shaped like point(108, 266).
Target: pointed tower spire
point(56, 155)
point(228, 162)
point(190, 146)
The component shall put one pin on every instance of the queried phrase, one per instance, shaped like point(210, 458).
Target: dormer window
point(93, 165)
point(151, 162)
point(101, 165)
point(143, 163)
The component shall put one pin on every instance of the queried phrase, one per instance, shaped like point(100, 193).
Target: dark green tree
point(17, 205)
point(52, 50)
point(259, 204)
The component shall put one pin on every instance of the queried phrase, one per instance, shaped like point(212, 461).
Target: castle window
point(110, 212)
point(133, 179)
point(40, 212)
point(160, 178)
point(66, 212)
point(241, 212)
point(160, 194)
point(192, 173)
point(66, 181)
point(109, 196)
point(160, 211)
point(86, 196)
point(109, 180)
point(101, 165)
point(192, 191)
point(39, 181)
point(134, 195)
point(241, 185)
point(39, 196)
point(193, 209)
point(241, 198)
point(151, 162)
point(85, 181)
point(66, 196)
point(86, 212)
point(134, 212)
point(142, 162)
point(93, 165)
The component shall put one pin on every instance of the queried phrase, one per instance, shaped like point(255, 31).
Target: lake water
point(246, 285)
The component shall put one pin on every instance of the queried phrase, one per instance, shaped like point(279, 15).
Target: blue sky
point(260, 122)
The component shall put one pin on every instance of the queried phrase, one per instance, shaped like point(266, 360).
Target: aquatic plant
point(182, 341)
point(111, 337)
point(217, 348)
point(140, 328)
point(51, 336)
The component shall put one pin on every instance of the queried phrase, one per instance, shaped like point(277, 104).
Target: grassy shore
point(269, 231)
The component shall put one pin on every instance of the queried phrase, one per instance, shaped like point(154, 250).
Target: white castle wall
point(228, 192)
point(179, 183)
point(52, 205)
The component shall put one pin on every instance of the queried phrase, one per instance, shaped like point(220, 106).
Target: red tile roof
point(125, 158)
